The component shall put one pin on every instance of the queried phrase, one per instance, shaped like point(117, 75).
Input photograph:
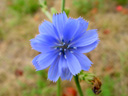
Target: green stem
point(44, 9)
point(58, 87)
point(47, 14)
point(62, 5)
point(78, 85)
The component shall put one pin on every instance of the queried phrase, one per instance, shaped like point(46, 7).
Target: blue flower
point(61, 44)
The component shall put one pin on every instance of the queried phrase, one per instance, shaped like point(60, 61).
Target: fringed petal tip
point(82, 19)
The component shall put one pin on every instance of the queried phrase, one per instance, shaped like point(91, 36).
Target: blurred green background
point(19, 21)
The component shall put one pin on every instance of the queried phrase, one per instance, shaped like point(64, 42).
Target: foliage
point(122, 2)
point(24, 6)
point(108, 86)
point(41, 85)
point(84, 6)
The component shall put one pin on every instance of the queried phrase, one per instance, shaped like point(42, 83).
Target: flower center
point(63, 47)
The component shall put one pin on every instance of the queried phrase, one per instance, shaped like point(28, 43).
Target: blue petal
point(35, 63)
point(73, 63)
point(45, 60)
point(84, 61)
point(53, 73)
point(47, 28)
point(70, 29)
point(59, 21)
point(88, 48)
point(83, 25)
point(43, 43)
point(38, 46)
point(88, 38)
point(47, 39)
point(65, 72)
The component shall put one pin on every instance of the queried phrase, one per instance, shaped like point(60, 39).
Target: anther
point(64, 49)
point(65, 57)
point(60, 53)
point(60, 49)
point(68, 46)
point(71, 51)
point(74, 47)
point(64, 43)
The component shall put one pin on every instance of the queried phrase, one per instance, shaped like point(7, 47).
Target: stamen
point(68, 46)
point(59, 44)
point(64, 43)
point(65, 57)
point(60, 49)
point(74, 47)
point(64, 49)
point(71, 51)
point(60, 53)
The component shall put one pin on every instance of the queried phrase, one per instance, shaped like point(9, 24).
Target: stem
point(58, 87)
point(47, 14)
point(44, 9)
point(78, 85)
point(62, 5)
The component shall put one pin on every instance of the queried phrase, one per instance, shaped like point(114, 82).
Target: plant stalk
point(62, 5)
point(78, 85)
point(47, 14)
point(58, 87)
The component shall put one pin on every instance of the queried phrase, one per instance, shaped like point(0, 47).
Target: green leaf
point(67, 11)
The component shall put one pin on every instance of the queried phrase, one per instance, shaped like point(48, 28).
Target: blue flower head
point(61, 44)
